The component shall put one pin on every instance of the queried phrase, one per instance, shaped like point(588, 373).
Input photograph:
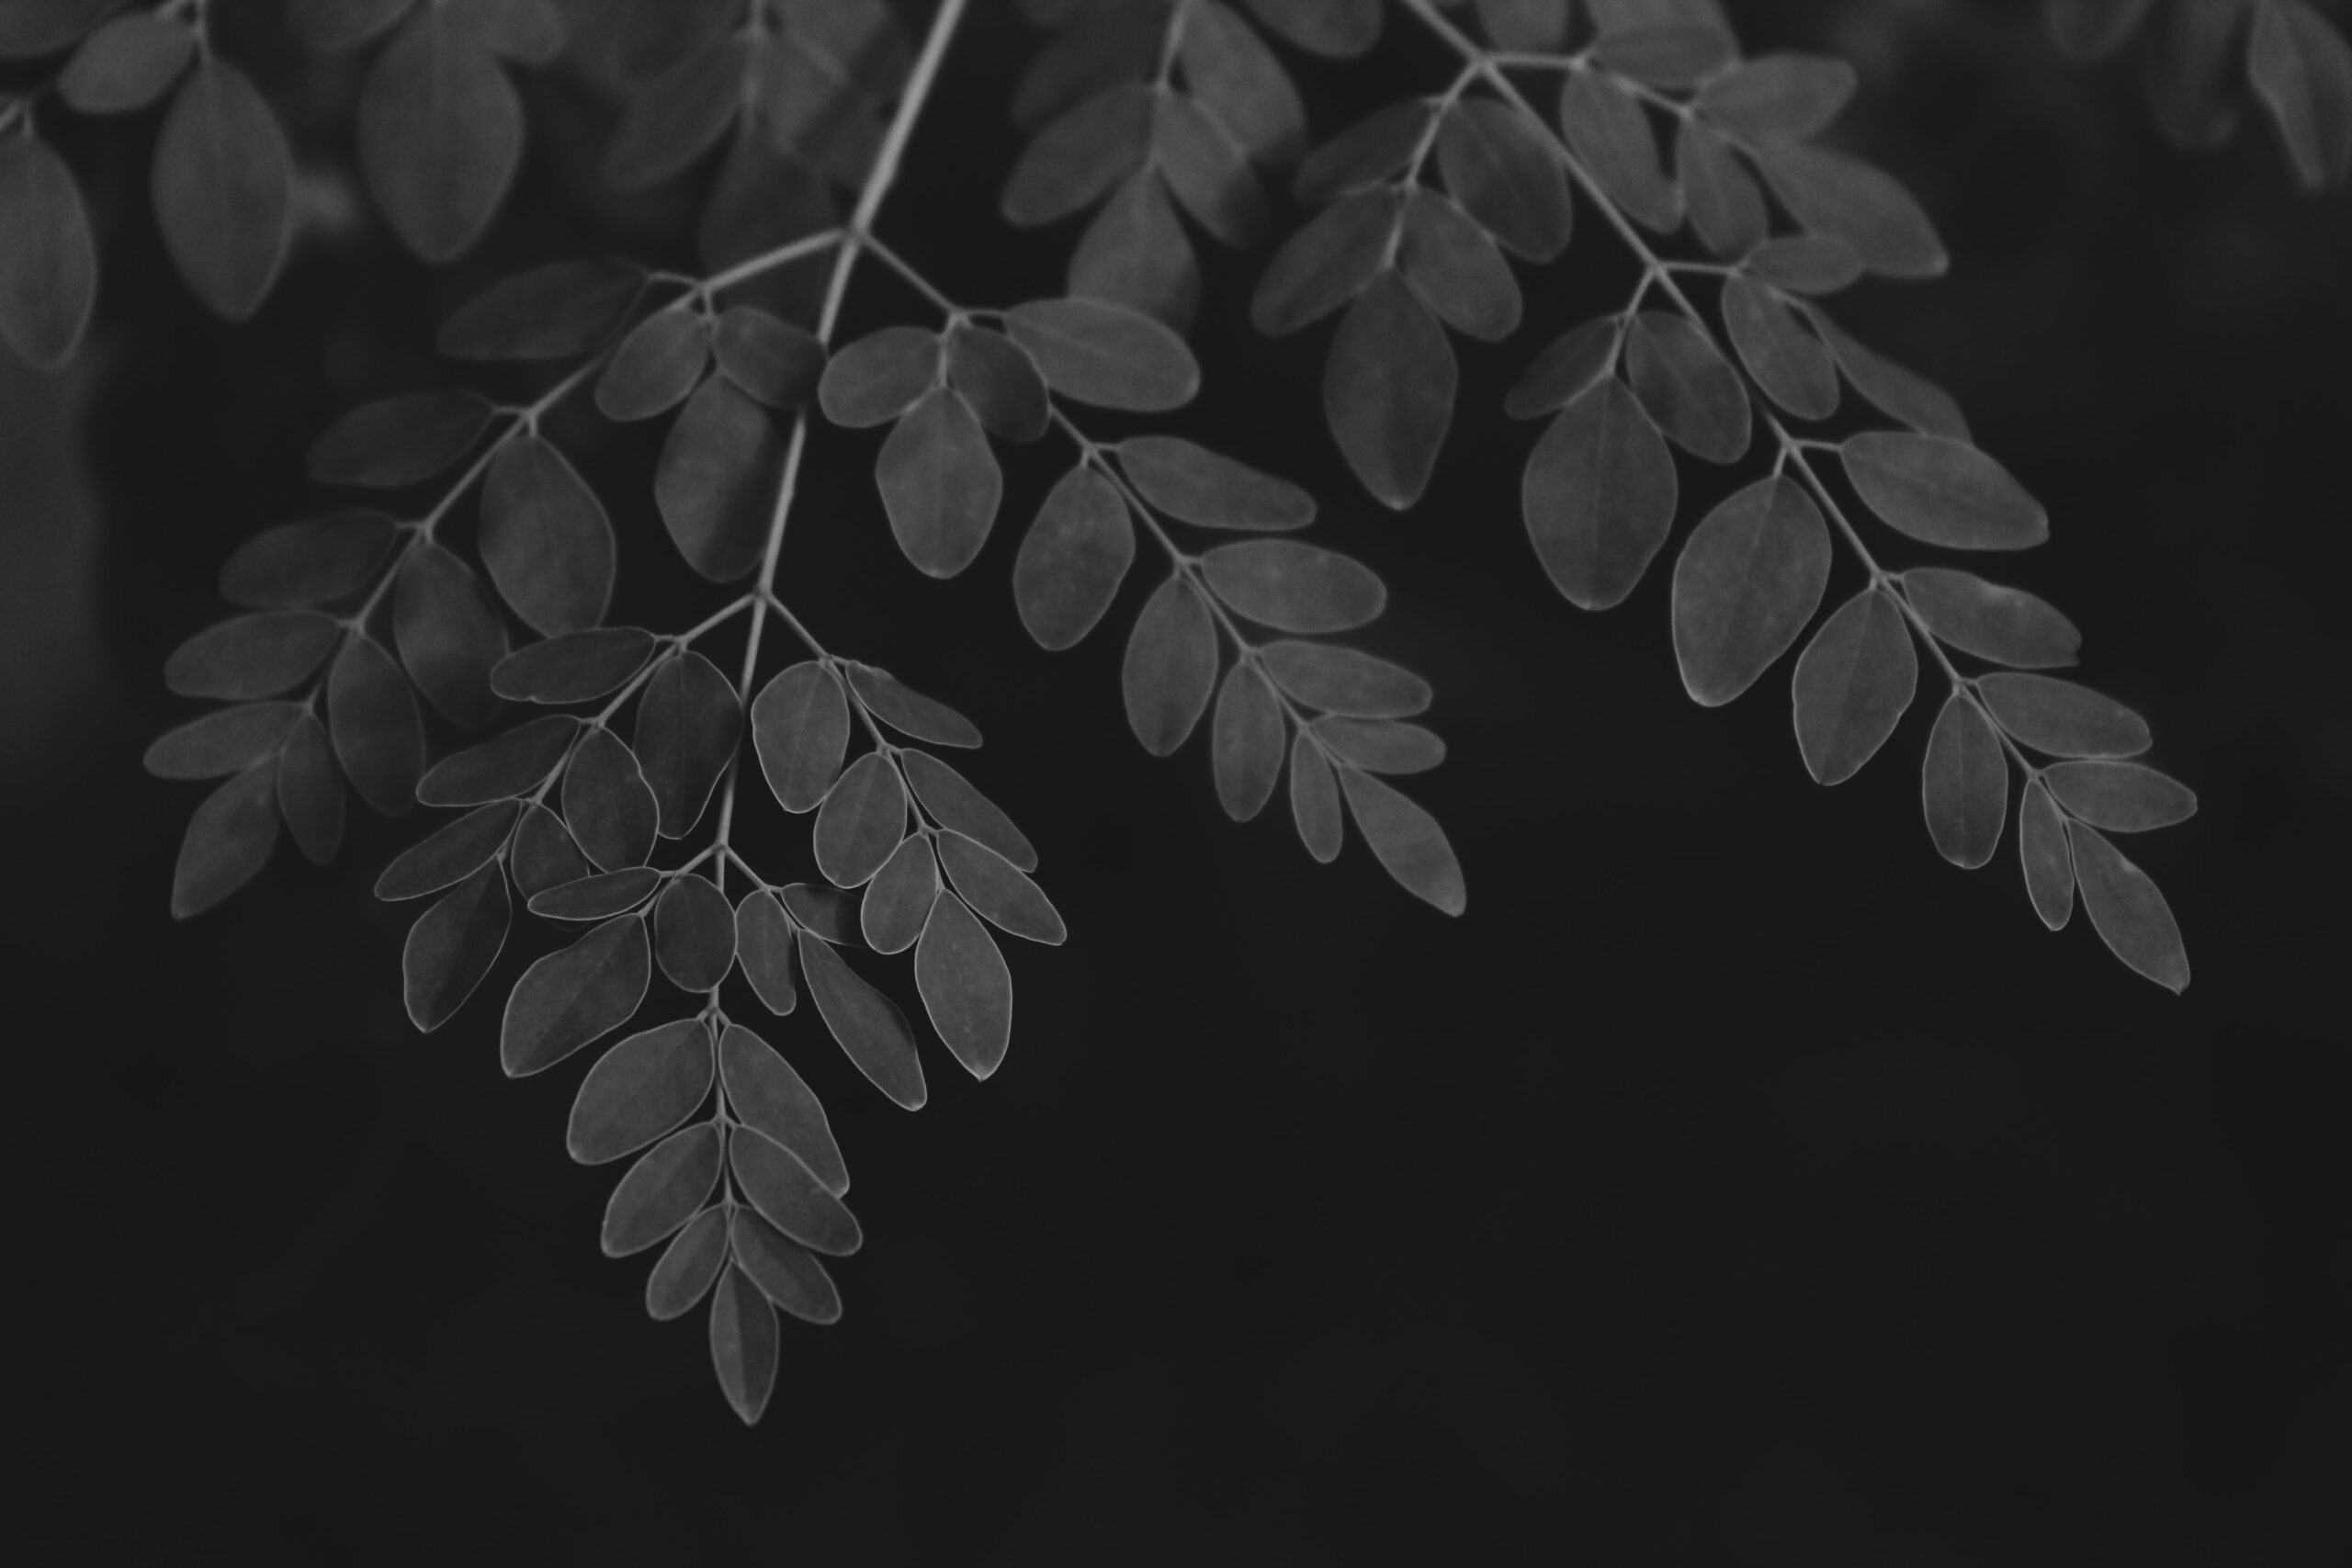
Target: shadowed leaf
point(224, 742)
point(1965, 785)
point(577, 667)
point(1805, 264)
point(1171, 666)
point(656, 366)
point(1795, 368)
point(1569, 366)
point(1208, 169)
point(1072, 162)
point(1610, 135)
point(228, 842)
point(940, 483)
point(907, 710)
point(570, 997)
point(717, 481)
point(1667, 53)
point(49, 265)
point(452, 947)
point(678, 118)
point(398, 441)
point(332, 26)
point(799, 729)
point(770, 1097)
point(2127, 909)
point(954, 802)
point(999, 381)
point(1247, 740)
point(1388, 388)
point(1911, 398)
point(869, 1026)
point(1779, 97)
point(448, 634)
point(606, 805)
point(310, 791)
point(1136, 254)
point(251, 656)
point(451, 855)
point(1313, 799)
point(127, 64)
point(1942, 492)
point(1838, 195)
point(662, 1190)
point(1854, 681)
point(1190, 483)
point(861, 822)
point(1726, 205)
point(1498, 166)
point(998, 889)
point(879, 376)
point(1749, 578)
point(789, 1195)
point(1344, 681)
point(544, 856)
point(1407, 840)
point(312, 563)
point(2063, 719)
point(687, 1266)
point(2301, 72)
point(899, 898)
point(2006, 626)
point(547, 312)
point(1238, 80)
point(1341, 30)
point(1105, 354)
point(440, 133)
point(785, 1272)
point(598, 897)
point(773, 361)
point(1367, 153)
point(693, 934)
point(966, 986)
point(763, 948)
point(1454, 269)
point(1598, 495)
point(1073, 559)
point(688, 721)
point(1325, 264)
point(378, 735)
point(509, 764)
point(640, 1090)
point(2122, 797)
point(1688, 386)
point(545, 539)
point(222, 187)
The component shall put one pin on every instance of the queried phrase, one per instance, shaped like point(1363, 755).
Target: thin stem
point(914, 279)
point(767, 261)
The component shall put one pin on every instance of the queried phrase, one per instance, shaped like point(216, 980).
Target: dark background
point(1736, 1182)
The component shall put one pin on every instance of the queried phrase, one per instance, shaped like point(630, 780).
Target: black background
point(1735, 1182)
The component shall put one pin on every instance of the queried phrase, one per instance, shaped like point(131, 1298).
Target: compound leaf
point(570, 997)
point(1853, 683)
point(1750, 576)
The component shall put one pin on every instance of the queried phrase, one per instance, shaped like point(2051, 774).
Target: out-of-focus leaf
point(1073, 558)
point(2301, 72)
point(800, 728)
point(1566, 368)
point(789, 1195)
point(1942, 492)
point(222, 187)
point(788, 1273)
point(1293, 587)
point(1388, 388)
point(1838, 195)
point(544, 538)
point(29, 29)
point(1407, 840)
point(1749, 578)
point(861, 822)
point(312, 562)
point(2122, 797)
point(693, 934)
point(1854, 681)
point(596, 897)
point(127, 64)
point(371, 714)
point(224, 742)
point(966, 986)
point(869, 1026)
point(1341, 30)
point(2127, 909)
point(544, 855)
point(310, 791)
point(662, 1190)
point(1238, 80)
point(879, 376)
point(398, 441)
point(1688, 386)
point(1526, 24)
point(448, 634)
point(771, 1098)
point(449, 854)
point(763, 948)
point(607, 804)
point(528, 32)
point(907, 710)
point(2092, 29)
point(1072, 162)
point(509, 764)
point(1381, 746)
point(440, 133)
point(640, 1090)
point(1610, 135)
point(570, 997)
point(1245, 742)
point(1344, 681)
point(228, 842)
point(1598, 495)
point(251, 656)
point(940, 483)
point(899, 898)
point(678, 118)
point(1675, 54)
point(716, 483)
point(688, 721)
point(1315, 799)
point(1726, 205)
point(1368, 152)
point(773, 361)
point(998, 889)
point(1106, 355)
point(2062, 718)
point(954, 802)
point(1965, 785)
point(1135, 252)
point(656, 366)
point(332, 26)
point(1190, 483)
point(1454, 269)
point(1805, 264)
point(1208, 170)
point(2049, 862)
point(1171, 666)
point(545, 312)
point(1498, 166)
point(688, 1265)
point(2006, 626)
point(452, 947)
point(577, 667)
point(999, 381)
point(1777, 97)
point(1325, 264)
point(1795, 367)
point(1913, 398)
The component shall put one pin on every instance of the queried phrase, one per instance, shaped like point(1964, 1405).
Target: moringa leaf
point(1407, 840)
point(1567, 368)
point(48, 266)
point(1965, 785)
point(693, 934)
point(998, 890)
point(1495, 163)
point(1293, 587)
point(880, 377)
point(771, 1099)
point(1380, 745)
point(1777, 97)
point(1170, 667)
point(940, 483)
point(763, 949)
point(1315, 799)
point(2049, 862)
point(688, 1265)
point(1073, 559)
point(899, 899)
point(1665, 54)
point(451, 855)
point(1854, 681)
point(1598, 495)
point(1454, 269)
point(868, 1025)
point(453, 946)
point(1725, 204)
point(1208, 169)
point(598, 897)
point(2087, 30)
point(954, 802)
point(999, 381)
point(398, 441)
point(331, 26)
point(907, 710)
point(662, 1190)
point(1190, 483)
point(1941, 491)
point(1076, 159)
point(440, 133)
point(2122, 797)
point(224, 742)
point(1344, 681)
point(310, 791)
point(371, 715)
point(1845, 198)
point(1794, 368)
point(2127, 909)
point(229, 840)
point(312, 562)
point(773, 361)
point(127, 64)
point(1805, 264)
point(578, 667)
point(785, 1272)
point(688, 724)
point(799, 729)
point(1749, 578)
point(1341, 30)
point(607, 804)
point(544, 856)
point(716, 485)
point(678, 117)
point(640, 1090)
point(1688, 386)
point(448, 634)
point(1527, 24)
point(1913, 398)
point(1247, 740)
point(2062, 718)
point(863, 818)
point(1368, 152)
point(568, 998)
point(1135, 252)
point(253, 656)
point(223, 188)
point(1106, 355)
point(2006, 626)
point(545, 312)
point(2301, 72)
point(1238, 80)
point(1328, 262)
point(966, 986)
point(789, 1195)
point(1610, 135)
point(656, 366)
point(743, 1347)
point(544, 538)
point(1388, 387)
